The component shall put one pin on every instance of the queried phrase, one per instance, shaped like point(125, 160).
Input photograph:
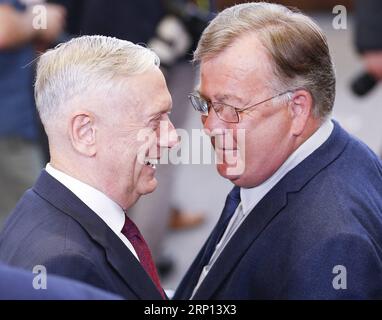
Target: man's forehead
point(228, 83)
point(160, 104)
point(144, 87)
point(243, 64)
point(242, 54)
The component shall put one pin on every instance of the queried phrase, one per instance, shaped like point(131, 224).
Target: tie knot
point(231, 203)
point(130, 230)
point(235, 194)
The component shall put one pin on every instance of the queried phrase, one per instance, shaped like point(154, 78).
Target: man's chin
point(148, 186)
point(228, 172)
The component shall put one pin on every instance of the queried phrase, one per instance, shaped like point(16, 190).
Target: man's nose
point(168, 137)
point(212, 124)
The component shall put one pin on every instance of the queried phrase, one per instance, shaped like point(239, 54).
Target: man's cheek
point(235, 163)
point(146, 139)
point(237, 158)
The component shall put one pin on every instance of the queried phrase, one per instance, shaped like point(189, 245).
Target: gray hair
point(298, 48)
point(85, 63)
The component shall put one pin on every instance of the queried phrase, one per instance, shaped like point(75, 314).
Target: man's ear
point(83, 133)
point(301, 107)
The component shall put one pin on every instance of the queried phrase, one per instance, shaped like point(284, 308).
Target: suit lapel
point(247, 233)
point(118, 255)
point(268, 208)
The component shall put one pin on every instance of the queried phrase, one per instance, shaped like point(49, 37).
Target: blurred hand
point(373, 63)
point(56, 17)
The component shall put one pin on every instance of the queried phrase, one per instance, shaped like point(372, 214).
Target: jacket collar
point(118, 255)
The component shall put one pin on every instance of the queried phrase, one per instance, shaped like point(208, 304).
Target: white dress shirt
point(252, 196)
point(109, 211)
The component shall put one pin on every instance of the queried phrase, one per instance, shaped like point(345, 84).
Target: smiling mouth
point(151, 163)
point(225, 149)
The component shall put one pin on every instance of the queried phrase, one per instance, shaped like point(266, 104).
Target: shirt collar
point(252, 196)
point(108, 210)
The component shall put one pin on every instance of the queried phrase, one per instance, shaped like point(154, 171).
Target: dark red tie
point(131, 232)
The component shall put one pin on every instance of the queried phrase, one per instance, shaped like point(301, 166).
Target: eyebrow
point(225, 97)
point(222, 97)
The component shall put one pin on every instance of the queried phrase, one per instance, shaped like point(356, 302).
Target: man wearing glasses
point(304, 218)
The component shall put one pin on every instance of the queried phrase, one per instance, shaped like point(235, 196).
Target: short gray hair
point(85, 63)
point(298, 47)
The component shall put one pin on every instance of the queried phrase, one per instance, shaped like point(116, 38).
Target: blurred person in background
point(20, 135)
point(368, 40)
point(368, 14)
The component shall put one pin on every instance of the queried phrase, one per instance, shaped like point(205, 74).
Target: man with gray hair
point(304, 219)
point(104, 105)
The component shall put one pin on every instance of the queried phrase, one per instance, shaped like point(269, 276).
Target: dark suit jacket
point(50, 226)
point(324, 213)
point(16, 284)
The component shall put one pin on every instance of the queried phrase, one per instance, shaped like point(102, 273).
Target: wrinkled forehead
point(244, 63)
point(144, 93)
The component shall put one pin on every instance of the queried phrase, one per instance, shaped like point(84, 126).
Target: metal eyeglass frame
point(202, 105)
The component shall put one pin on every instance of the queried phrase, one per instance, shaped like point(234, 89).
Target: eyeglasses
point(225, 112)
